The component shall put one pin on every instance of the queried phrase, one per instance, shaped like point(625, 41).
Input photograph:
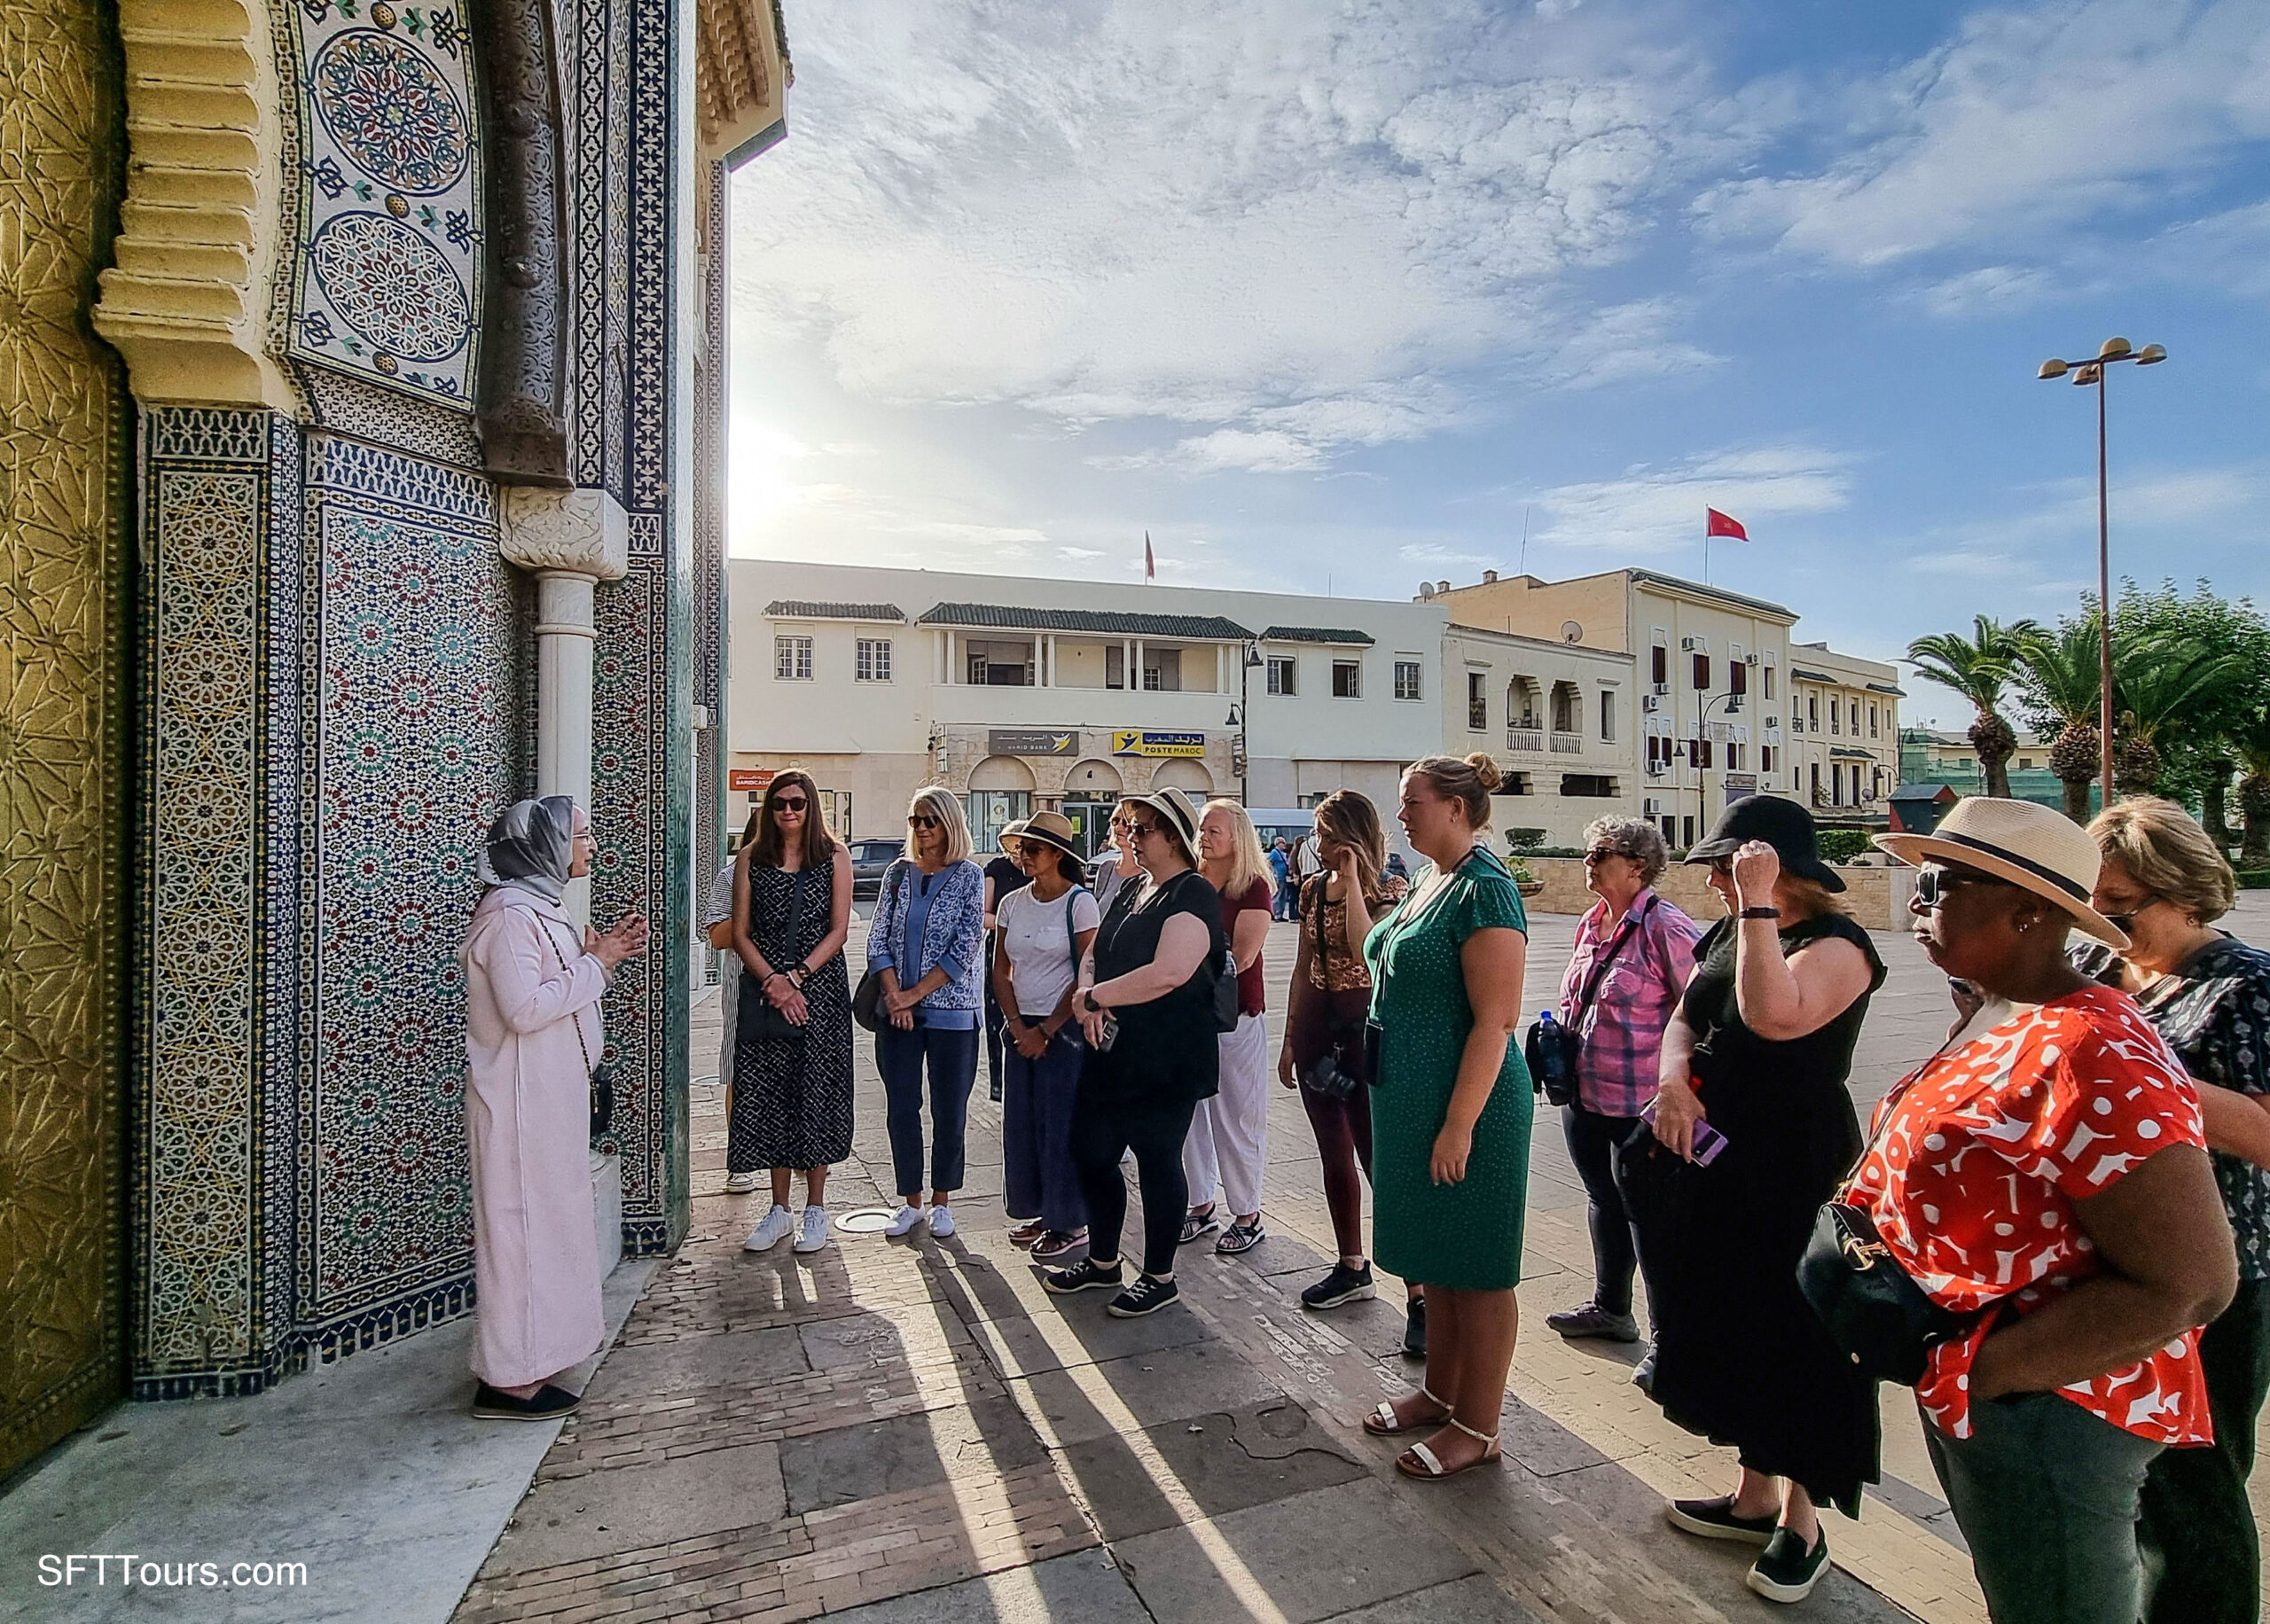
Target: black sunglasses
point(1932, 884)
point(922, 820)
point(786, 805)
point(1601, 854)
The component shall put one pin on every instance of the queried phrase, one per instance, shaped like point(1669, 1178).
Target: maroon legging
point(1344, 1140)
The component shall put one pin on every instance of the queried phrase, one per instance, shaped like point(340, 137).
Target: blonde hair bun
point(1485, 769)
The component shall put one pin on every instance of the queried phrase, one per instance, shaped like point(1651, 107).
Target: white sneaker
point(942, 1221)
point(813, 1235)
point(769, 1233)
point(740, 1183)
point(905, 1220)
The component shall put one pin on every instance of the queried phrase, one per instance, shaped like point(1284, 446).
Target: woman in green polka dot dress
point(1450, 1113)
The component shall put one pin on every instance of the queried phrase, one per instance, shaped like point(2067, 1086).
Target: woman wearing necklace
point(2163, 882)
point(1451, 1113)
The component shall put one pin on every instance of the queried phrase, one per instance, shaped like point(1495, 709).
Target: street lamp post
point(1240, 718)
point(2084, 374)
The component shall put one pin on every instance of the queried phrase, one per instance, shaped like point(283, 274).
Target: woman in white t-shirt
point(1042, 931)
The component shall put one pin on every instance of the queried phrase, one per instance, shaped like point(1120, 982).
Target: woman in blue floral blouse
point(2164, 882)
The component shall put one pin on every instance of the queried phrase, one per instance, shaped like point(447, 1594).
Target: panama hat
point(2032, 847)
point(1046, 828)
point(1174, 805)
point(1782, 824)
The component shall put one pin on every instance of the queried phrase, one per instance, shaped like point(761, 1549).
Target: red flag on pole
point(1716, 523)
point(1150, 564)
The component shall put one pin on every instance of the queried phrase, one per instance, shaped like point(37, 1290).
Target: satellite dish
point(1571, 632)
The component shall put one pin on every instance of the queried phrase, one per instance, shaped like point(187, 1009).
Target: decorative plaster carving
point(186, 301)
point(582, 530)
point(523, 410)
point(741, 73)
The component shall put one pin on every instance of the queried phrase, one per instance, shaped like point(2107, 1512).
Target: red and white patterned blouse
point(1973, 1179)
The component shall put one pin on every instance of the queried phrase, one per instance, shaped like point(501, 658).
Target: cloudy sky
point(1336, 297)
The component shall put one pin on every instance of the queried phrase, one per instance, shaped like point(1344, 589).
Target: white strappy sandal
point(1430, 1467)
point(1381, 1421)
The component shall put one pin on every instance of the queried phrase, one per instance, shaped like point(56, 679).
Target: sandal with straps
point(1430, 1467)
point(1382, 1421)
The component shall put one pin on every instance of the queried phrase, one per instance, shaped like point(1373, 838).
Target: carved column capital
point(581, 530)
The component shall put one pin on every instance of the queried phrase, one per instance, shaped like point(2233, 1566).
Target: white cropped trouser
point(1229, 1134)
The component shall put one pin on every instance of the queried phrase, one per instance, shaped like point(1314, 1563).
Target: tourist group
point(2056, 1230)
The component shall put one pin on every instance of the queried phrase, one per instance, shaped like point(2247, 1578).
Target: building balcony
point(965, 704)
point(1525, 739)
point(1568, 743)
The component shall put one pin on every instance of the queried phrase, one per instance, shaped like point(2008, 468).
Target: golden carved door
point(64, 469)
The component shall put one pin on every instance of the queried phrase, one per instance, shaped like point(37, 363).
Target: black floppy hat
point(1782, 824)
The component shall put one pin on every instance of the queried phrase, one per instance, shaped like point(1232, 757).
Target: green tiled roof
point(1008, 617)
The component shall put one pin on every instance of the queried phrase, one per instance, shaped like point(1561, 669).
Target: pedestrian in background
point(927, 944)
point(1450, 1113)
point(792, 1068)
point(533, 1036)
point(2043, 1177)
point(1146, 1008)
point(717, 921)
point(1634, 952)
point(1003, 875)
point(1330, 1000)
point(1760, 1050)
point(1047, 927)
point(1280, 867)
point(1116, 866)
point(1229, 1133)
point(2166, 882)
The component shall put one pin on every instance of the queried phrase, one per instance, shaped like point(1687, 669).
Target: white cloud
point(2027, 122)
point(1287, 226)
point(1654, 510)
point(1989, 290)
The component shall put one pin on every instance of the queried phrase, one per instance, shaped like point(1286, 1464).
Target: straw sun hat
point(2034, 847)
point(1046, 828)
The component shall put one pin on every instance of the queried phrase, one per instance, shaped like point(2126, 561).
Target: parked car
point(868, 859)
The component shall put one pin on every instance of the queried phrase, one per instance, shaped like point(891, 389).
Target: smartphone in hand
point(1710, 1144)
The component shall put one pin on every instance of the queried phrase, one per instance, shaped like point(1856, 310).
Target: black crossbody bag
point(601, 1072)
point(1872, 1308)
point(1552, 1051)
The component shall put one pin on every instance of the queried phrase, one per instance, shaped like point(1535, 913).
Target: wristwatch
point(1088, 1001)
point(1761, 913)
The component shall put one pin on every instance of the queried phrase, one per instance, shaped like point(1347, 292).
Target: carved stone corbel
point(523, 416)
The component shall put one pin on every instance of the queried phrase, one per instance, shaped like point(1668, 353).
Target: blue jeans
point(952, 1057)
point(1038, 1177)
point(2046, 1495)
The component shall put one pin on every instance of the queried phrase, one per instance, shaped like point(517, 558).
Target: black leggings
point(1103, 1126)
point(1593, 1139)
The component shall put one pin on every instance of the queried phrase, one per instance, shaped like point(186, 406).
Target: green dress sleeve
point(1487, 901)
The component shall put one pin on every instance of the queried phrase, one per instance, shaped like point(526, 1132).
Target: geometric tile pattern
point(388, 283)
point(64, 589)
point(420, 747)
point(708, 542)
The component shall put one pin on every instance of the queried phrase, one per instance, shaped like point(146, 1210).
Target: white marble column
point(571, 540)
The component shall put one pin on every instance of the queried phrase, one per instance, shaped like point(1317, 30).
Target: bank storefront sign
point(1134, 741)
point(1033, 741)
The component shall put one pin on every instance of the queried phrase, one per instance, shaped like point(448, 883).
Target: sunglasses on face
point(1932, 884)
point(1600, 854)
point(2124, 921)
point(1140, 832)
point(922, 820)
point(786, 805)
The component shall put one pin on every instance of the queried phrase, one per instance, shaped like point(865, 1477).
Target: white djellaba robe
point(528, 1120)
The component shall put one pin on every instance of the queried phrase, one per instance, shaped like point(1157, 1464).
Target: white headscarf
point(531, 846)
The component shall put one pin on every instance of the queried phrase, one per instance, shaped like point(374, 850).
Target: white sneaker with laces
point(906, 1219)
point(771, 1233)
point(813, 1235)
point(942, 1221)
point(740, 1183)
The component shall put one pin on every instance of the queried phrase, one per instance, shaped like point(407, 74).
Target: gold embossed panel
point(62, 761)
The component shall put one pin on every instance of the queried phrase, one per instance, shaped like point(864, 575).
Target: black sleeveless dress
point(1740, 1357)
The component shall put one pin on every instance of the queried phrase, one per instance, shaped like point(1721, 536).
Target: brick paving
point(908, 1431)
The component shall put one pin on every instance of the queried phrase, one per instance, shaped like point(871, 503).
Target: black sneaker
point(1240, 1236)
point(1342, 1284)
point(1087, 1275)
point(547, 1403)
point(1196, 1224)
point(1715, 1519)
point(1145, 1296)
point(1786, 1570)
point(1415, 1330)
point(1591, 1320)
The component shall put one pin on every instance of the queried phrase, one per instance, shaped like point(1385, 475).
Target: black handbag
point(868, 997)
point(1340, 1072)
point(1871, 1308)
point(1552, 1050)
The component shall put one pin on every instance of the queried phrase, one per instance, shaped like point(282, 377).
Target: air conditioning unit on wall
point(1664, 689)
point(1651, 807)
point(1693, 645)
point(1749, 660)
point(1651, 702)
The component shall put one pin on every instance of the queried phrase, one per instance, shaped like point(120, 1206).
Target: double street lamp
point(1240, 718)
point(2085, 373)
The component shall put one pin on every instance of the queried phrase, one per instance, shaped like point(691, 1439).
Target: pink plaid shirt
point(1622, 1031)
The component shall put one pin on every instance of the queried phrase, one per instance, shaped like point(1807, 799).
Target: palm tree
point(2253, 747)
point(1977, 667)
point(2061, 673)
point(2158, 679)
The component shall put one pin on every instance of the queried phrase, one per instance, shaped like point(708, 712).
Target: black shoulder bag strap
point(1632, 922)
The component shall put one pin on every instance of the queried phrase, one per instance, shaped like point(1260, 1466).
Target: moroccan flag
point(1716, 523)
point(1150, 564)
